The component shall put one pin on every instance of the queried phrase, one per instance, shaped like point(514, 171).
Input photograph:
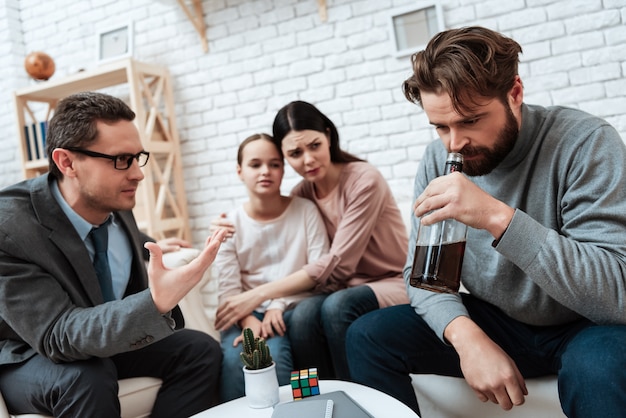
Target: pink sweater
point(368, 237)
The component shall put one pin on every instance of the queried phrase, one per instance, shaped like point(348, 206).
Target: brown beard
point(492, 157)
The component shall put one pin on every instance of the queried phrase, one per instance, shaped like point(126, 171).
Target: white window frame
point(420, 6)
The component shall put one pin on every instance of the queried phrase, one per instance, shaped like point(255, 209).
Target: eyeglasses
point(120, 162)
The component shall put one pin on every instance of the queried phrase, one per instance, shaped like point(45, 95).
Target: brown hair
point(464, 63)
point(256, 137)
point(74, 121)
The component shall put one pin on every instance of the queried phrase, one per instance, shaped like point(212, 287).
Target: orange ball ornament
point(39, 65)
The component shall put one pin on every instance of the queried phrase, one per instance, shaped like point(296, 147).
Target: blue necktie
point(100, 238)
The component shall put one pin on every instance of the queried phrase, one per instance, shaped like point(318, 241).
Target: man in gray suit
point(62, 345)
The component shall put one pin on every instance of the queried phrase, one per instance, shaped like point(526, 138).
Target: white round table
point(378, 404)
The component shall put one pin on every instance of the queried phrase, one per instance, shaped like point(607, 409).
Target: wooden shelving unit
point(161, 209)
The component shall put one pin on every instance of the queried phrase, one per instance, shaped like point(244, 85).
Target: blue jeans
point(388, 344)
point(232, 384)
point(318, 325)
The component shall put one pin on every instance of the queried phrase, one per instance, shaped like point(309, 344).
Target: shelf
point(39, 164)
point(161, 209)
point(107, 75)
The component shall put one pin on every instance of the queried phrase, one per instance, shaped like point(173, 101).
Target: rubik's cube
point(304, 383)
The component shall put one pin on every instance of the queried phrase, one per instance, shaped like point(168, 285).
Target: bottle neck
point(454, 162)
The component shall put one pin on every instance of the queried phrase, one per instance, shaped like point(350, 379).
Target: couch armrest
point(4, 413)
point(446, 397)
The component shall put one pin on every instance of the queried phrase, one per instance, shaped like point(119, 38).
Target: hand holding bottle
point(454, 196)
point(439, 247)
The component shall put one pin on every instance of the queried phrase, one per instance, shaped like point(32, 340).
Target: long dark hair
point(302, 116)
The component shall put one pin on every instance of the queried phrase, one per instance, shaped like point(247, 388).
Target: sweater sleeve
point(364, 202)
point(582, 263)
point(563, 255)
point(316, 235)
point(437, 309)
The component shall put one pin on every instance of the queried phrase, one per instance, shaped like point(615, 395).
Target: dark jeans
point(388, 344)
point(188, 362)
point(317, 329)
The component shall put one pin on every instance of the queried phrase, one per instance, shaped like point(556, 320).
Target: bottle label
point(455, 167)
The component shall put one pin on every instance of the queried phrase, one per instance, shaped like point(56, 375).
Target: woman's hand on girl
point(251, 322)
point(234, 308)
point(273, 324)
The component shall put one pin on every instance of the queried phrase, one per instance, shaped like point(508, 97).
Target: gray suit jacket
point(50, 300)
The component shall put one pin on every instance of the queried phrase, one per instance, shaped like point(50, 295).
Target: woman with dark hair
point(302, 116)
point(363, 269)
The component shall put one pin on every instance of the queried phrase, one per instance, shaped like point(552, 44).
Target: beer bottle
point(439, 248)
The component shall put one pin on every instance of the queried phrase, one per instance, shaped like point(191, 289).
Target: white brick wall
point(265, 53)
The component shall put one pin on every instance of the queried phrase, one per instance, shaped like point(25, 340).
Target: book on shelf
point(35, 136)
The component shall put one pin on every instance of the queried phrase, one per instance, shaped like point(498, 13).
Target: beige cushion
point(136, 395)
point(451, 397)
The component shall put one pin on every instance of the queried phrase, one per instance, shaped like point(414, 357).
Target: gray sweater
point(563, 255)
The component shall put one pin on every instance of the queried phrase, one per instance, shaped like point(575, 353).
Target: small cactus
point(256, 353)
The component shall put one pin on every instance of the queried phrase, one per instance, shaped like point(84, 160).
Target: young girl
point(276, 235)
point(363, 269)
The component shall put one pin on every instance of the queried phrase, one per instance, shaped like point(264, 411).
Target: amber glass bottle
point(440, 247)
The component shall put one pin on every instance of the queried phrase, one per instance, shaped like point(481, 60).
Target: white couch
point(451, 397)
point(438, 396)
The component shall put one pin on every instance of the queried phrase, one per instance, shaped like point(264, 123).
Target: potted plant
point(261, 383)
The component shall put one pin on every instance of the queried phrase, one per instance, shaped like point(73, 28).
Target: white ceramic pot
point(261, 387)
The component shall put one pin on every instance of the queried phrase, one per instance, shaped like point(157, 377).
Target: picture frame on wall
point(115, 43)
point(411, 28)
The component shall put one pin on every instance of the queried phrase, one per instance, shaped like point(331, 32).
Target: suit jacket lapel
point(63, 235)
point(65, 238)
